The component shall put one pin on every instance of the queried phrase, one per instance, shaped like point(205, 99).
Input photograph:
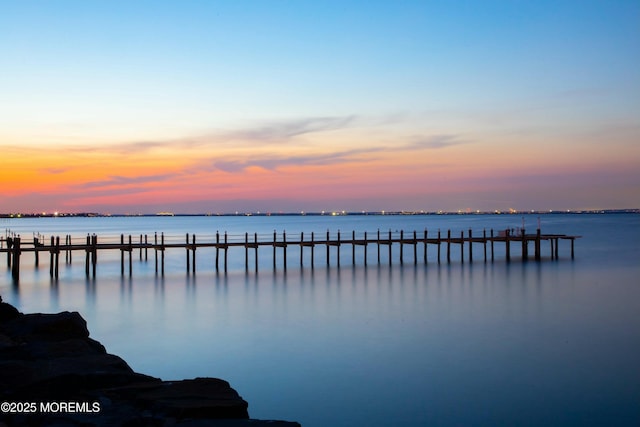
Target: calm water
point(550, 343)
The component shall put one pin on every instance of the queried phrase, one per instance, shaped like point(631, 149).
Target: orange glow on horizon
point(217, 170)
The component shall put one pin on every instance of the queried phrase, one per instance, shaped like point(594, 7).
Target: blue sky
point(501, 76)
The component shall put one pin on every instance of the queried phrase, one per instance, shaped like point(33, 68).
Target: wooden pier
point(14, 246)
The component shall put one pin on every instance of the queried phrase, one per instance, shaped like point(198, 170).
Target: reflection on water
point(551, 343)
point(414, 345)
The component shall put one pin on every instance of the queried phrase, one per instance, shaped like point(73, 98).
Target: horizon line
point(318, 213)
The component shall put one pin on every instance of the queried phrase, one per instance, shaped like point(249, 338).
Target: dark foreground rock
point(53, 374)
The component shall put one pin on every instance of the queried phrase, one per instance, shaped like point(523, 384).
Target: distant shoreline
point(322, 213)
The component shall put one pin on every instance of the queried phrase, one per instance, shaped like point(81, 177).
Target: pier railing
point(13, 245)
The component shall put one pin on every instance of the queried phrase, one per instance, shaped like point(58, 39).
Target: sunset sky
point(222, 106)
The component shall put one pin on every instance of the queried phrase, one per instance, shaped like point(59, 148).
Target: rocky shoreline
point(53, 374)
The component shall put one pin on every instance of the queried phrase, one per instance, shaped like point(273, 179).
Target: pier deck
point(13, 245)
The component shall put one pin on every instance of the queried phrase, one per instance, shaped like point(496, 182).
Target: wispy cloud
point(134, 147)
point(272, 162)
point(281, 131)
point(125, 181)
point(54, 170)
point(274, 132)
point(267, 146)
point(287, 129)
point(435, 142)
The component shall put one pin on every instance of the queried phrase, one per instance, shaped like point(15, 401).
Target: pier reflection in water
point(499, 341)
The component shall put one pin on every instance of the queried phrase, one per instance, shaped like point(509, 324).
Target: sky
point(285, 106)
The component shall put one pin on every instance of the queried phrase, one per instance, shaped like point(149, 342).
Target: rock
point(196, 398)
point(48, 327)
point(52, 356)
point(49, 359)
point(7, 311)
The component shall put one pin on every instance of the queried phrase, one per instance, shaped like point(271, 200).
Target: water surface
point(549, 343)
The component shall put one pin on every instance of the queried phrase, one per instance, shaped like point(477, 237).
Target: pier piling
point(492, 258)
point(389, 245)
point(484, 243)
point(425, 247)
point(15, 264)
point(57, 258)
point(36, 245)
point(94, 254)
point(87, 256)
